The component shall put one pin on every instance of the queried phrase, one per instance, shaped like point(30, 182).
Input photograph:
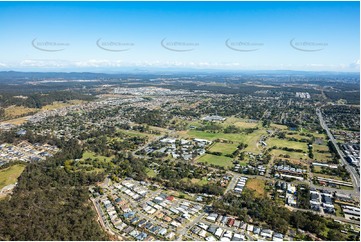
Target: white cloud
point(113, 64)
point(355, 65)
point(43, 63)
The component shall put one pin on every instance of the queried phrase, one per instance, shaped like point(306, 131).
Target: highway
point(354, 176)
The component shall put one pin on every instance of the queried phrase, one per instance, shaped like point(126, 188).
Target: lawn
point(10, 175)
point(216, 160)
point(256, 185)
point(225, 148)
point(285, 143)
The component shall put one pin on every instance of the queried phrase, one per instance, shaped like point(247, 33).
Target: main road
point(354, 176)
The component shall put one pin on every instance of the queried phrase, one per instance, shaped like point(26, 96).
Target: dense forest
point(38, 100)
point(51, 204)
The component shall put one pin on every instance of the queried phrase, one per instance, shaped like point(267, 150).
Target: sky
point(113, 36)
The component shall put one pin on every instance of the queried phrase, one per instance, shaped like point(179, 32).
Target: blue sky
point(315, 36)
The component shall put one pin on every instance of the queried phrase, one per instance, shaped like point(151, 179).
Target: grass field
point(320, 136)
point(16, 121)
point(225, 148)
point(285, 143)
point(151, 173)
point(338, 210)
point(212, 136)
point(279, 126)
point(10, 175)
point(180, 195)
point(245, 125)
point(243, 163)
point(250, 139)
point(317, 169)
point(293, 155)
point(216, 160)
point(321, 156)
point(200, 182)
point(15, 111)
point(256, 185)
point(135, 133)
point(320, 147)
point(297, 136)
point(92, 155)
point(240, 123)
point(56, 105)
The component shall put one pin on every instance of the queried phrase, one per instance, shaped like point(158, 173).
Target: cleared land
point(224, 148)
point(285, 143)
point(135, 133)
point(16, 111)
point(279, 126)
point(240, 123)
point(319, 155)
point(151, 173)
point(56, 105)
point(216, 160)
point(250, 139)
point(200, 182)
point(256, 185)
point(292, 155)
point(12, 113)
point(338, 210)
point(297, 136)
point(245, 125)
point(92, 155)
point(10, 175)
